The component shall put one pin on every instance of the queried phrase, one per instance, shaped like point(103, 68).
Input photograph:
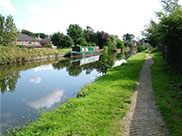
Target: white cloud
point(47, 101)
point(35, 80)
point(34, 8)
point(7, 7)
point(41, 68)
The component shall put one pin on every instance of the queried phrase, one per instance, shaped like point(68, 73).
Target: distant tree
point(152, 34)
point(61, 41)
point(102, 38)
point(128, 37)
point(76, 33)
point(89, 35)
point(42, 35)
point(120, 44)
point(23, 31)
point(170, 6)
point(8, 31)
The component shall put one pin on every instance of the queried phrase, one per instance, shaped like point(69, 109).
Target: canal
point(27, 89)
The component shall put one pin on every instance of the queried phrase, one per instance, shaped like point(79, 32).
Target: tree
point(102, 38)
point(128, 37)
point(60, 40)
point(42, 35)
point(170, 6)
point(8, 31)
point(152, 34)
point(76, 33)
point(23, 31)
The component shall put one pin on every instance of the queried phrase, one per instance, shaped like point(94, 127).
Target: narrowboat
point(85, 60)
point(84, 51)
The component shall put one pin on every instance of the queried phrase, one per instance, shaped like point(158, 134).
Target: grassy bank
point(14, 54)
point(98, 109)
point(168, 92)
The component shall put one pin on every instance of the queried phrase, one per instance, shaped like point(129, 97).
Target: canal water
point(29, 88)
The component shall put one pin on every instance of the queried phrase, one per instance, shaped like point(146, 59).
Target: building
point(28, 41)
point(46, 41)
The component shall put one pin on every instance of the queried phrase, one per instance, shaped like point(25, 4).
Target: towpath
point(143, 117)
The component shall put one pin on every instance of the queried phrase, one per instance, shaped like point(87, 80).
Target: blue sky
point(113, 16)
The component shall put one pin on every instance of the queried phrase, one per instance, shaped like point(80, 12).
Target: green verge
point(167, 88)
point(97, 111)
point(14, 54)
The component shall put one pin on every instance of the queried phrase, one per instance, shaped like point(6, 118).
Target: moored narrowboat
point(84, 51)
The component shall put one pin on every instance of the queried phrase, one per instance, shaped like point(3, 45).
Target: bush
point(141, 48)
point(61, 41)
point(120, 44)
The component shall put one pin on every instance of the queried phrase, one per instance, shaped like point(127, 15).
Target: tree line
point(167, 33)
point(77, 36)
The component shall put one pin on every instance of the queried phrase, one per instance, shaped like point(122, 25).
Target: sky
point(116, 17)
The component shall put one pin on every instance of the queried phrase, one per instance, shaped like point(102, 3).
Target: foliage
point(170, 6)
point(128, 37)
point(61, 41)
point(23, 31)
point(120, 44)
point(8, 31)
point(90, 35)
point(98, 109)
point(76, 33)
point(167, 88)
point(111, 46)
point(141, 48)
point(167, 33)
point(102, 38)
point(42, 35)
point(152, 34)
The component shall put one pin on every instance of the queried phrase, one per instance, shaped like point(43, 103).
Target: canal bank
point(98, 108)
point(10, 55)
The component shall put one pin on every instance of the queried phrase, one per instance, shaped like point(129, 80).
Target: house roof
point(24, 37)
point(47, 39)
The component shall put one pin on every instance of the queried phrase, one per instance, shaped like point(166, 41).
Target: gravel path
point(143, 117)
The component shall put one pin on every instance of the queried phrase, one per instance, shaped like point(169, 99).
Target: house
point(134, 42)
point(45, 41)
point(27, 40)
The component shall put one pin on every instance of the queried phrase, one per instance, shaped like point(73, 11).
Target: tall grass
point(17, 54)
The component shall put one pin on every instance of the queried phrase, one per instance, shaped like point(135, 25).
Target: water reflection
point(8, 83)
point(35, 80)
point(36, 86)
point(47, 101)
point(9, 75)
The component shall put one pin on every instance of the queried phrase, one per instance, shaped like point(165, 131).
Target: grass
point(14, 54)
point(97, 111)
point(64, 50)
point(168, 92)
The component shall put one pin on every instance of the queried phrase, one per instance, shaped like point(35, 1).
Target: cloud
point(35, 80)
point(7, 7)
point(34, 8)
point(47, 101)
point(41, 68)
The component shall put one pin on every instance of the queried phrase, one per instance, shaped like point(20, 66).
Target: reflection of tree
point(105, 63)
point(61, 64)
point(8, 83)
point(9, 74)
point(74, 70)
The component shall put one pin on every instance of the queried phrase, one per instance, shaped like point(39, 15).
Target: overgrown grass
point(14, 54)
point(168, 92)
point(97, 111)
point(64, 50)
